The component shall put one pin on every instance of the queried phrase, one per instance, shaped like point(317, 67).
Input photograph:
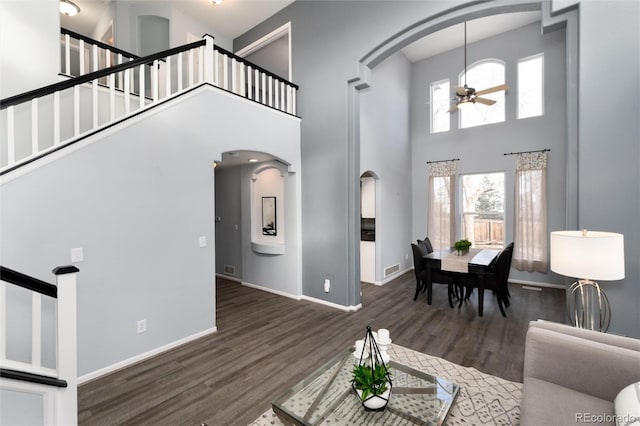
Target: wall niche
point(267, 209)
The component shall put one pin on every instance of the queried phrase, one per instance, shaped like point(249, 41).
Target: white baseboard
point(350, 308)
point(392, 277)
point(141, 357)
point(270, 290)
point(229, 277)
point(538, 284)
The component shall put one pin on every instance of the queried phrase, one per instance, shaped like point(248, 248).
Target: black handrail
point(254, 66)
point(56, 87)
point(32, 378)
point(98, 43)
point(30, 283)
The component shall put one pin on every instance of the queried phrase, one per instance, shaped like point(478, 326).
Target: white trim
point(143, 356)
point(229, 277)
point(267, 39)
point(392, 277)
point(270, 290)
point(350, 308)
point(537, 284)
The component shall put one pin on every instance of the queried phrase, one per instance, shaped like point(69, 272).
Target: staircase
point(112, 86)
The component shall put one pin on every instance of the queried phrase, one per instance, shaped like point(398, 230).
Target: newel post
point(67, 352)
point(208, 59)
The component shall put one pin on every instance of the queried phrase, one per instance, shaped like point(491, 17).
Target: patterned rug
point(483, 399)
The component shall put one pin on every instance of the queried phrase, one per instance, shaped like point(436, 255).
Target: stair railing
point(45, 120)
point(57, 386)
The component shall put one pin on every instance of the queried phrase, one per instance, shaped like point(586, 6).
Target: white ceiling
point(478, 29)
point(230, 19)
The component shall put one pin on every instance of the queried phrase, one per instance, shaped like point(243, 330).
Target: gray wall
point(136, 199)
point(329, 39)
point(481, 148)
point(385, 149)
point(273, 57)
point(228, 238)
point(609, 151)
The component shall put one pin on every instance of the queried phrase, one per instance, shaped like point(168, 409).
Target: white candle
point(359, 348)
point(383, 335)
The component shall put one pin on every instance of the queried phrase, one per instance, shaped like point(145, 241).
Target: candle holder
point(371, 379)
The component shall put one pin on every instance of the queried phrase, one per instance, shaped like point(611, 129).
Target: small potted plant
point(371, 385)
point(462, 247)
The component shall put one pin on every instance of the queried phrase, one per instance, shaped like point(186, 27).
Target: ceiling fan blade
point(461, 91)
point(485, 101)
point(492, 89)
point(453, 108)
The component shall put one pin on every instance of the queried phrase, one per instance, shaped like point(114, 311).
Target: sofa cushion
point(545, 403)
point(596, 336)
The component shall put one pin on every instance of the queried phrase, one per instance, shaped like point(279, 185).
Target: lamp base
point(588, 306)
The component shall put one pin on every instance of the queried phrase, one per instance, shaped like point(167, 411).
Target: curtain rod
point(527, 152)
point(443, 161)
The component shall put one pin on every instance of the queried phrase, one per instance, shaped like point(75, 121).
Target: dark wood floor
point(266, 343)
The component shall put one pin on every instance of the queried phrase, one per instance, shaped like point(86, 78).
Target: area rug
point(483, 399)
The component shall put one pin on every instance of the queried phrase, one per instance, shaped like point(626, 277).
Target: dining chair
point(426, 242)
point(497, 279)
point(420, 269)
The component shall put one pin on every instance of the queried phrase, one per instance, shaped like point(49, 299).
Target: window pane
point(530, 86)
point(439, 106)
point(483, 209)
point(482, 76)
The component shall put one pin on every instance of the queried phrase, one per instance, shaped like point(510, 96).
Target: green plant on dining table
point(462, 245)
point(370, 380)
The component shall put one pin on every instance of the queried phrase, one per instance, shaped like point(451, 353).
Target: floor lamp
point(591, 255)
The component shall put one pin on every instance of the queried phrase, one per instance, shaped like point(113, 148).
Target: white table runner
point(454, 263)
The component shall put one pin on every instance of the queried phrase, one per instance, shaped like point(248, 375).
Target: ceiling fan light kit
point(68, 8)
point(466, 95)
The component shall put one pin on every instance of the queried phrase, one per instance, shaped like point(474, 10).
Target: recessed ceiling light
point(69, 8)
point(253, 160)
point(215, 2)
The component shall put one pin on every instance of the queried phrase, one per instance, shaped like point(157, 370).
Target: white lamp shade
point(588, 254)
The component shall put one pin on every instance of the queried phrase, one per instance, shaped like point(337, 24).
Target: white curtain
point(530, 246)
point(441, 224)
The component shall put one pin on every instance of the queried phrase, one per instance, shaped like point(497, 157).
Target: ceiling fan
point(466, 95)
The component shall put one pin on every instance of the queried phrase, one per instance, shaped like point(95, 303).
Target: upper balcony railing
point(45, 120)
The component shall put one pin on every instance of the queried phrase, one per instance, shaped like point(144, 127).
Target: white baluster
point(107, 59)
point(216, 65)
point(249, 82)
point(67, 54)
point(76, 111)
point(180, 71)
point(234, 76)
point(94, 49)
point(36, 329)
point(94, 106)
point(34, 125)
point(154, 81)
point(225, 72)
point(208, 59)
point(112, 97)
point(293, 101)
point(11, 141)
point(81, 56)
point(191, 68)
point(120, 73)
point(276, 94)
point(141, 87)
point(3, 322)
point(127, 91)
point(282, 97)
point(243, 82)
point(56, 118)
point(201, 56)
point(167, 80)
point(270, 91)
point(263, 98)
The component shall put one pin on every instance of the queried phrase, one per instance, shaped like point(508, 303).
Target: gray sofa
point(572, 376)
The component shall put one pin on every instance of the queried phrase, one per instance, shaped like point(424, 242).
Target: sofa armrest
point(610, 339)
point(594, 368)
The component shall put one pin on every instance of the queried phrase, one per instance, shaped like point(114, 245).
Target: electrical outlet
point(142, 326)
point(202, 241)
point(327, 285)
point(77, 255)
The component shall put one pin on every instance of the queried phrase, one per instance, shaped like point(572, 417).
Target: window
point(483, 75)
point(531, 86)
point(440, 215)
point(439, 106)
point(483, 209)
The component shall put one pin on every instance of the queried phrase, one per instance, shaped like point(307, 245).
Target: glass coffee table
point(326, 397)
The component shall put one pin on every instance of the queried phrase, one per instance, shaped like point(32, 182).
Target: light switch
point(77, 255)
point(202, 241)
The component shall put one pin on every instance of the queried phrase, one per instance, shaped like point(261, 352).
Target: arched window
point(483, 75)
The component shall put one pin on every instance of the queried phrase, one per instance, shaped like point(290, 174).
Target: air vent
point(230, 270)
point(391, 269)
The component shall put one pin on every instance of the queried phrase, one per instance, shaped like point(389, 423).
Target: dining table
point(473, 264)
